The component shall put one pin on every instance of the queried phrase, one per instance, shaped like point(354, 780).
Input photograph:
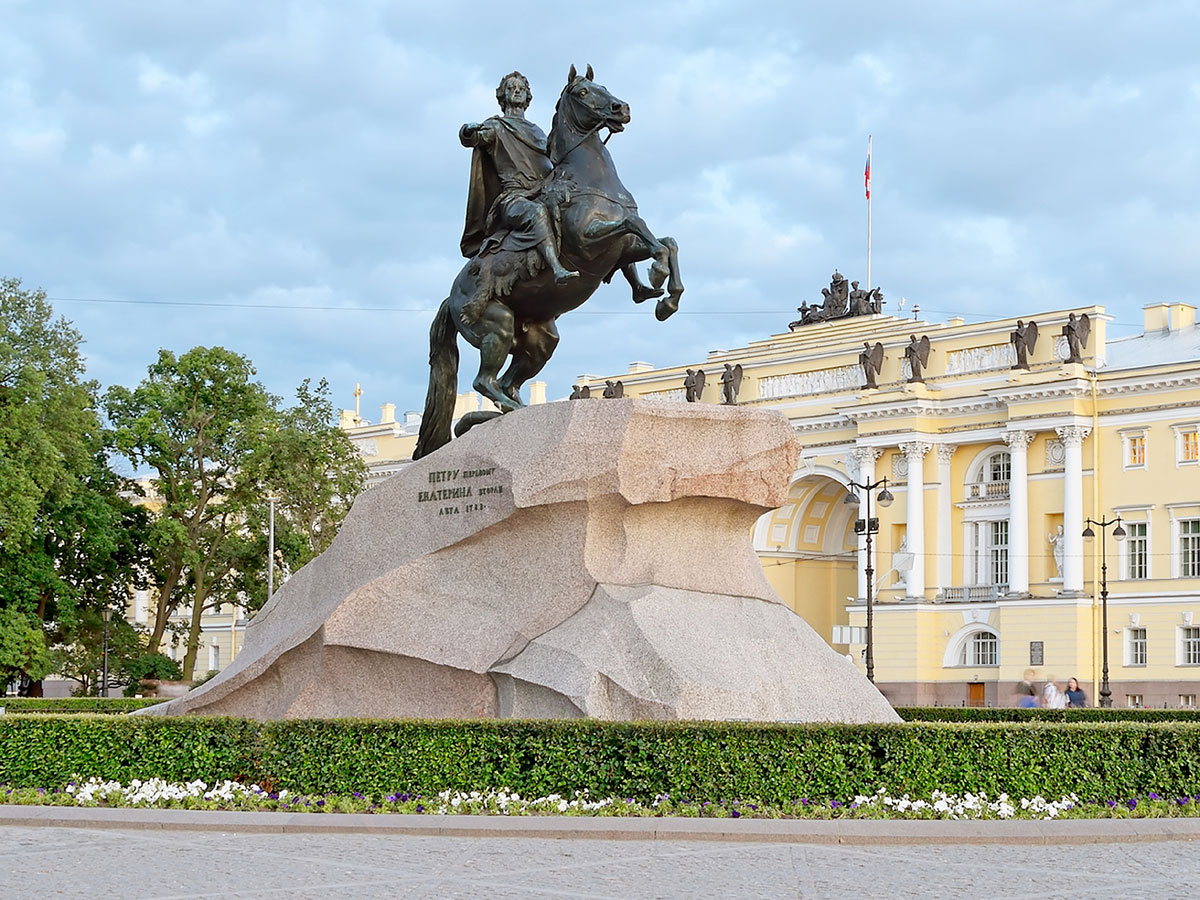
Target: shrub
point(711, 761)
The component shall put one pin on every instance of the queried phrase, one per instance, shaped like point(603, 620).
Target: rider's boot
point(561, 275)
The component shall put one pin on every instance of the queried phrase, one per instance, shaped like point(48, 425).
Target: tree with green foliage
point(70, 539)
point(314, 471)
point(24, 655)
point(195, 420)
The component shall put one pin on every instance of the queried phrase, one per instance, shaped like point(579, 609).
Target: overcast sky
point(284, 178)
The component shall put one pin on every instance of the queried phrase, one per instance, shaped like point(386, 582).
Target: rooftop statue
point(693, 385)
point(731, 383)
point(1024, 340)
point(548, 221)
point(1076, 332)
point(871, 360)
point(842, 300)
point(917, 354)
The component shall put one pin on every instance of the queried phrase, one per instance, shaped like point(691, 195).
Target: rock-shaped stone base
point(587, 558)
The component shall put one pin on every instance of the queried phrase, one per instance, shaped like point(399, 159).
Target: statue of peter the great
point(508, 169)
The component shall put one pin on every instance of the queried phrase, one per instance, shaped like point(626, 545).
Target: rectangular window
point(1189, 548)
point(1135, 456)
point(1187, 701)
point(1135, 646)
point(1134, 701)
point(1137, 551)
point(1000, 467)
point(214, 658)
point(998, 552)
point(981, 650)
point(1189, 645)
point(1189, 446)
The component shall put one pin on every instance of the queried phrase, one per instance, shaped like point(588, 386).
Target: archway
point(808, 549)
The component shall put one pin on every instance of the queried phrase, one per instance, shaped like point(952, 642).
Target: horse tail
point(443, 383)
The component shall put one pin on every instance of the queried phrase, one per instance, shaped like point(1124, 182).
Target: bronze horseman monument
point(585, 558)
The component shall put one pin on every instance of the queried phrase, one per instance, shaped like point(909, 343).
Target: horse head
point(583, 108)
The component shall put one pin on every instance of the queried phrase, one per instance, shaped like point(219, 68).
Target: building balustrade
point(973, 593)
point(988, 490)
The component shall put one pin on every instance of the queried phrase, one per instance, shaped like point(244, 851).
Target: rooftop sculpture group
point(548, 220)
point(841, 301)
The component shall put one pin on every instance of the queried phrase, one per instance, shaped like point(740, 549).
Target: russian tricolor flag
point(867, 172)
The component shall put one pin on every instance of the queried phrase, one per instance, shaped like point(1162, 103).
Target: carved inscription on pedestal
point(459, 491)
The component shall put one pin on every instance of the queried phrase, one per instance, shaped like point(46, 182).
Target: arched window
point(974, 645)
point(998, 467)
point(981, 648)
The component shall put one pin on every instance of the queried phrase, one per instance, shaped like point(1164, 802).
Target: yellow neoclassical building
point(981, 570)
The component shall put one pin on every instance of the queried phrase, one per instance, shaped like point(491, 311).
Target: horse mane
point(556, 142)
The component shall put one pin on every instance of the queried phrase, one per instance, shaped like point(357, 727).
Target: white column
point(1018, 511)
point(1072, 438)
point(865, 458)
point(945, 537)
point(915, 452)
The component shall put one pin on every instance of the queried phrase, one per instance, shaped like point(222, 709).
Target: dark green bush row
point(1014, 714)
point(771, 763)
point(110, 705)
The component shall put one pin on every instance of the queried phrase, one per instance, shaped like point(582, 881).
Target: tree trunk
point(163, 607)
point(193, 641)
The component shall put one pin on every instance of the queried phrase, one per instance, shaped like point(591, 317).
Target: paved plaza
point(93, 863)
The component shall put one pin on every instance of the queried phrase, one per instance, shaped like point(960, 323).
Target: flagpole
point(870, 284)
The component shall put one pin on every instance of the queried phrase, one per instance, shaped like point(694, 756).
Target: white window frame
point(1125, 557)
point(1181, 430)
point(1177, 536)
point(1127, 439)
point(1185, 635)
point(214, 657)
point(1130, 642)
point(1135, 701)
point(961, 650)
point(1187, 701)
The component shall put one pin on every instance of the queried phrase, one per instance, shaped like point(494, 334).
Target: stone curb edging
point(797, 831)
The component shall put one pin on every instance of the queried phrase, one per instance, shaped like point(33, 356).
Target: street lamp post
point(271, 548)
point(1089, 535)
point(106, 614)
point(869, 526)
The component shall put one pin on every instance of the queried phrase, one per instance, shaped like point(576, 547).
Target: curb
point(613, 828)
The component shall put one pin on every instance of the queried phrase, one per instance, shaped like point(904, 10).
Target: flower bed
point(230, 795)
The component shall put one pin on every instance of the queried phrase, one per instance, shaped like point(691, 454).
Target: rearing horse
point(505, 303)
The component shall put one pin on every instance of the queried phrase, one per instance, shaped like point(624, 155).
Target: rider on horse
point(508, 169)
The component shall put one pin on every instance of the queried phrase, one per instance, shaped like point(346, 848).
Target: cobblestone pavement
point(95, 864)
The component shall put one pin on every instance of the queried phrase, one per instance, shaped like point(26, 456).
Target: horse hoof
point(643, 293)
point(665, 308)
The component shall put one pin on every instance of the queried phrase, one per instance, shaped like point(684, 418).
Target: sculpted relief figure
point(614, 390)
point(1076, 332)
point(841, 300)
point(917, 354)
point(693, 385)
point(548, 221)
point(1024, 340)
point(871, 360)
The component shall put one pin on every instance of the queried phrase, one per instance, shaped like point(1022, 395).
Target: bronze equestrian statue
point(548, 221)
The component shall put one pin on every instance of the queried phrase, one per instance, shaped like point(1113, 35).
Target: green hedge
point(109, 705)
point(1015, 714)
point(770, 763)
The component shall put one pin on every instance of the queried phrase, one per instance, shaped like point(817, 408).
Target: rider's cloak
point(515, 165)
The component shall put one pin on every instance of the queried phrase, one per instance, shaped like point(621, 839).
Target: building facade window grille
point(999, 467)
point(1135, 451)
point(982, 649)
point(1135, 646)
point(1137, 551)
point(1189, 645)
point(998, 551)
point(1189, 447)
point(1189, 548)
